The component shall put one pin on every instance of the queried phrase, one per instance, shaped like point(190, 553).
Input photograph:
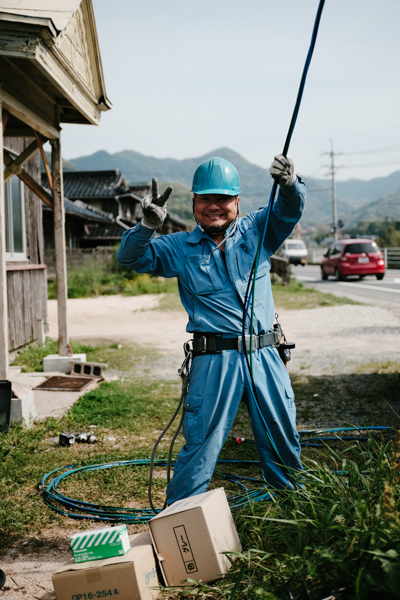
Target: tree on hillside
point(391, 236)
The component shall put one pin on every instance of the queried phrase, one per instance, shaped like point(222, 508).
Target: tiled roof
point(84, 211)
point(91, 184)
point(105, 230)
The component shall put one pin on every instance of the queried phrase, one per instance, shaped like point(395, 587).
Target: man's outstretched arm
point(288, 206)
point(137, 249)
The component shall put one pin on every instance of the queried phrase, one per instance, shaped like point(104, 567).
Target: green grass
point(116, 356)
point(31, 357)
point(340, 530)
point(124, 416)
point(296, 296)
point(96, 280)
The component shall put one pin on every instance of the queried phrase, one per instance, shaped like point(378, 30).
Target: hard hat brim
point(217, 191)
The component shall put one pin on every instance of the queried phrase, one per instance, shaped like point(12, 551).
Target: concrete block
point(55, 362)
point(89, 369)
point(22, 405)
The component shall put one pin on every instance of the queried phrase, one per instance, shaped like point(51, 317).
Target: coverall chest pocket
point(246, 252)
point(193, 421)
point(202, 275)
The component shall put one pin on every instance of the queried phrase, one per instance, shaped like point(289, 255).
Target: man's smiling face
point(215, 212)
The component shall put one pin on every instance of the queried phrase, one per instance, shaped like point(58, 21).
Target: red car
point(353, 257)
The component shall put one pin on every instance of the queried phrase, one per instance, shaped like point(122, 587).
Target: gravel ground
point(337, 339)
point(328, 339)
point(332, 342)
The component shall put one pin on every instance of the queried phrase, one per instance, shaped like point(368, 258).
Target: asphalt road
point(384, 293)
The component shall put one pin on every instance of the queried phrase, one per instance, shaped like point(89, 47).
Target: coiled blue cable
point(79, 509)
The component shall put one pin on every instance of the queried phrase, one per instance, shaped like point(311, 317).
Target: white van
point(295, 251)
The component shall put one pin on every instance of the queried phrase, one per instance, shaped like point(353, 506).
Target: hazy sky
point(186, 77)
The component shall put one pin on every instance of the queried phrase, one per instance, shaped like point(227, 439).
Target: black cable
point(153, 454)
point(184, 373)
point(254, 267)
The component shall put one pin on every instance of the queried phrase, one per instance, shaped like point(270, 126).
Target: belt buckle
point(277, 337)
point(255, 344)
point(204, 350)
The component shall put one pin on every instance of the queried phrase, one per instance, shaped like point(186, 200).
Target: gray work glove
point(155, 207)
point(282, 170)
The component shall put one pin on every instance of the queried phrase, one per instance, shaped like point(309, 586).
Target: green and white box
point(100, 543)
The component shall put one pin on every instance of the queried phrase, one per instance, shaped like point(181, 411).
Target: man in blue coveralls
point(212, 264)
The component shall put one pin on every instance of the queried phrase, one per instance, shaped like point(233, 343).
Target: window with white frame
point(15, 219)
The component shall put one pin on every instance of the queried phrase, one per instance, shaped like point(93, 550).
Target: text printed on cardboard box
point(185, 549)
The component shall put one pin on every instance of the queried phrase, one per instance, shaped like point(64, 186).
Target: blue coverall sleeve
point(157, 257)
point(285, 213)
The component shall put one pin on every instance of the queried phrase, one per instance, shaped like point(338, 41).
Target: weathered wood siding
point(27, 302)
point(27, 289)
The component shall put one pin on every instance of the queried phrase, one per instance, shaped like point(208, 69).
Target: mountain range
point(356, 199)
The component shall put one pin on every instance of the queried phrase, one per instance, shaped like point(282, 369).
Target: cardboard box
point(190, 536)
point(100, 543)
point(128, 577)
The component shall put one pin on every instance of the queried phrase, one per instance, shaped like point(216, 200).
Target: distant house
point(99, 207)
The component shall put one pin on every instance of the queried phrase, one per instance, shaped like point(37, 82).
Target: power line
point(394, 161)
point(311, 175)
point(391, 148)
point(310, 164)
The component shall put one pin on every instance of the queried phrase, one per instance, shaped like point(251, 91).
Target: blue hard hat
point(216, 176)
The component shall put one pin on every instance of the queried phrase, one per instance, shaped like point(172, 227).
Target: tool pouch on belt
point(284, 347)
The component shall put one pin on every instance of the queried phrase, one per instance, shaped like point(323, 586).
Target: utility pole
point(331, 173)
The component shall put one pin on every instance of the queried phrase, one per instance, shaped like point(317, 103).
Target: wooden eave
point(39, 86)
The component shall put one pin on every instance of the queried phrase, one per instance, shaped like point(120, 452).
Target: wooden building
point(110, 205)
point(51, 74)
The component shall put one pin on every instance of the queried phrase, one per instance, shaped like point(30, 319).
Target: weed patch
point(341, 529)
point(117, 356)
point(99, 280)
point(31, 357)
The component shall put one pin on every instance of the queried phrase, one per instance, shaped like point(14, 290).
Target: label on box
point(185, 549)
point(101, 543)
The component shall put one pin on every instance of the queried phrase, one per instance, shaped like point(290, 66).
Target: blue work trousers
point(216, 388)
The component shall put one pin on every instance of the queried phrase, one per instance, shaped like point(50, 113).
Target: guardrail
point(392, 258)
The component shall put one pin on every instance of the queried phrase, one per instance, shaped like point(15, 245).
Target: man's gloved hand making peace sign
point(155, 206)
